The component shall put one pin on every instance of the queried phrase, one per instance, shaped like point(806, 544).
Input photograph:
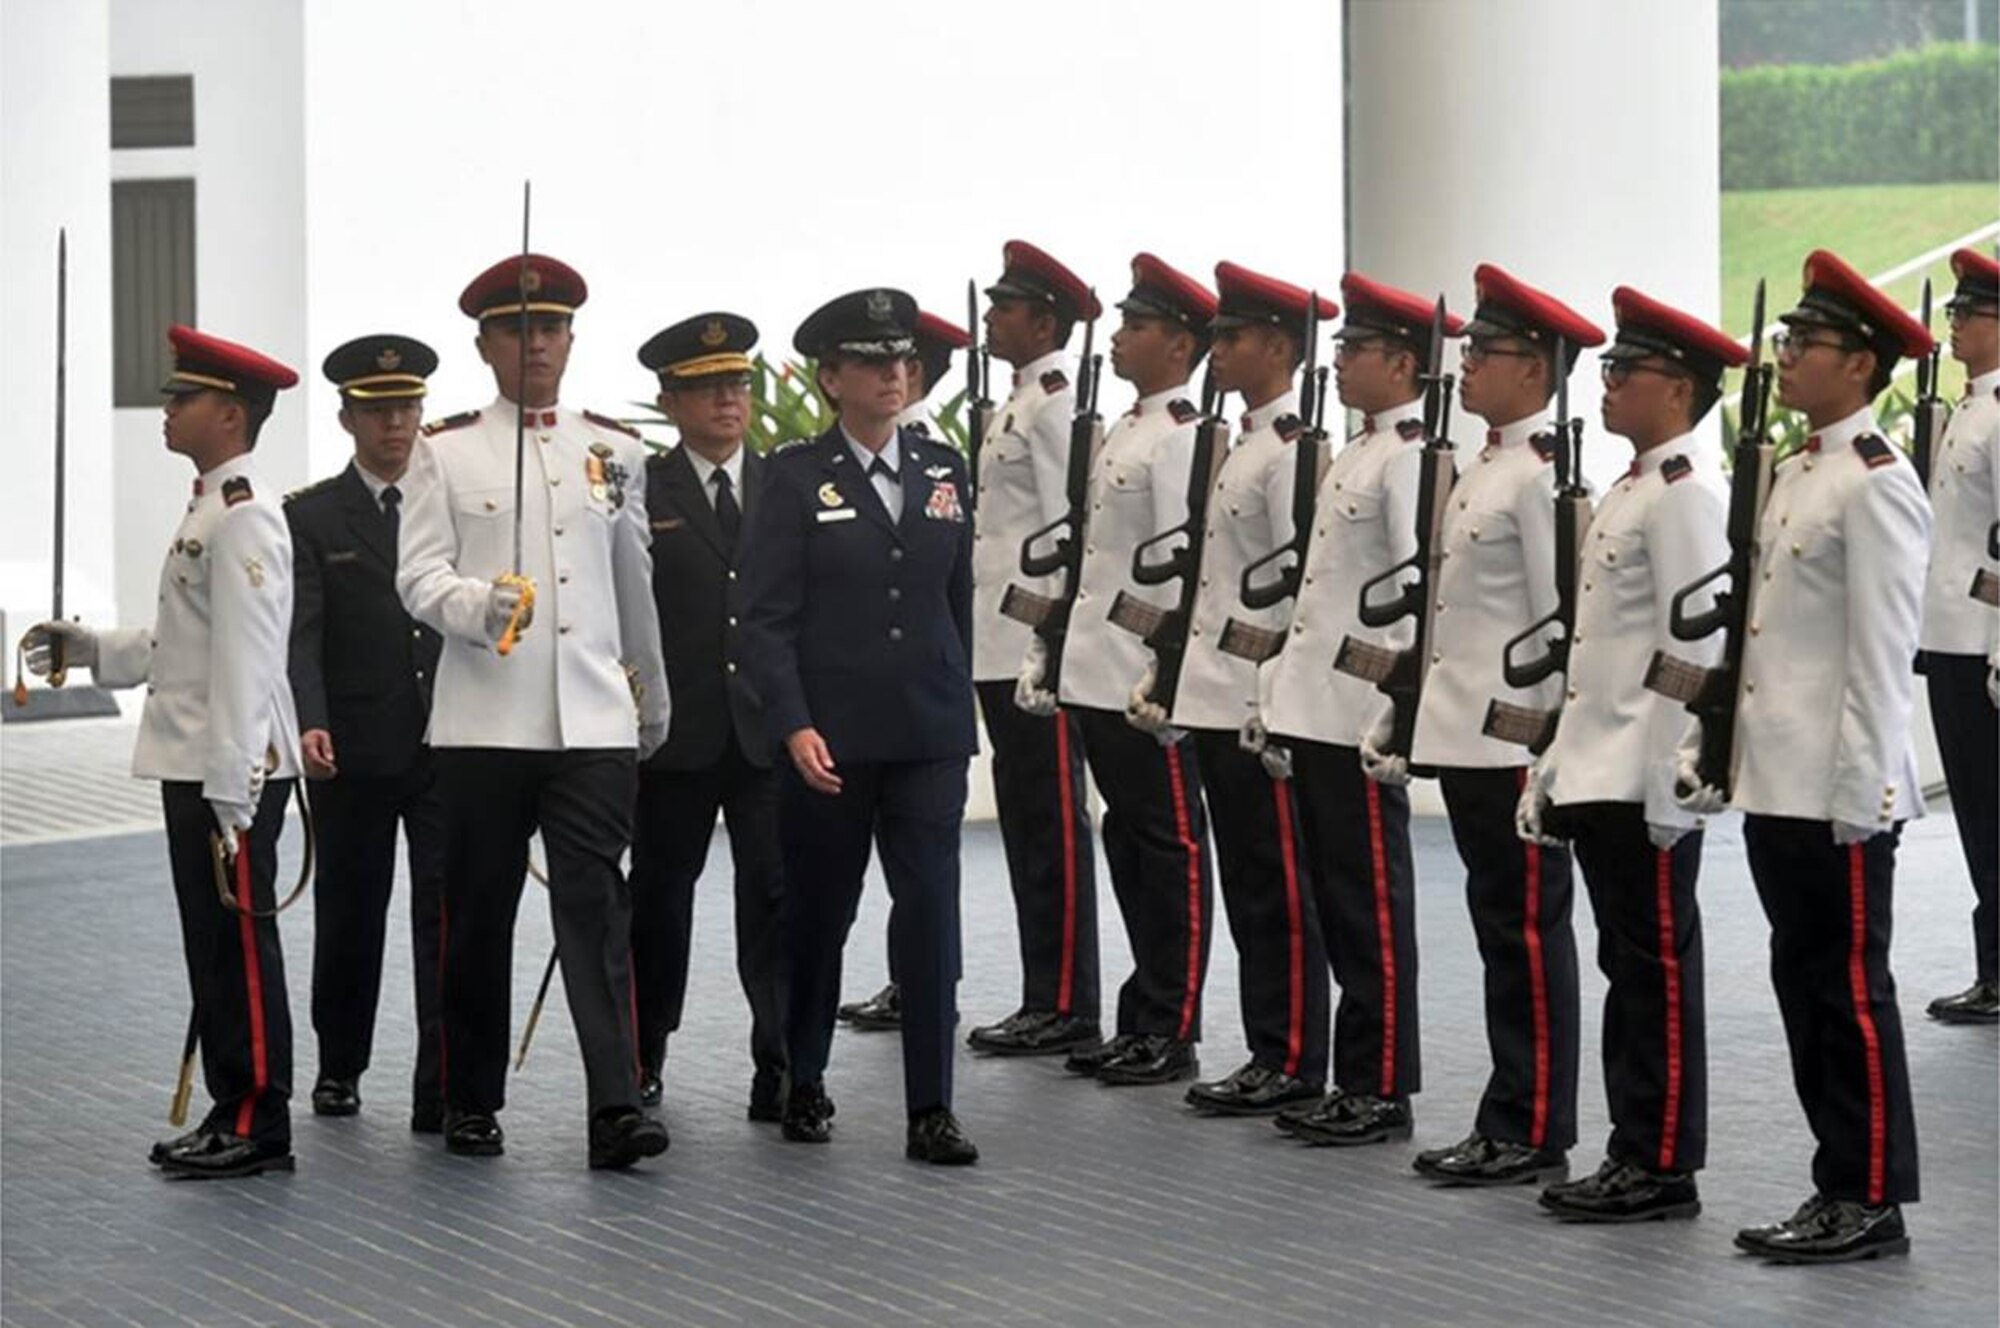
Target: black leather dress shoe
point(1089, 1060)
point(936, 1138)
point(651, 1090)
point(1829, 1231)
point(1153, 1059)
point(1045, 1035)
point(180, 1141)
point(427, 1118)
point(337, 1097)
point(1482, 1161)
point(1299, 1111)
point(983, 1037)
point(1977, 1004)
point(808, 1117)
point(1254, 1090)
point(472, 1134)
point(218, 1155)
point(767, 1097)
point(1347, 1120)
point(619, 1138)
point(879, 1013)
point(1624, 1192)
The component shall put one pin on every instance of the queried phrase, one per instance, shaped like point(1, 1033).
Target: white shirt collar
point(1386, 420)
point(1032, 371)
point(1154, 403)
point(1984, 385)
point(704, 470)
point(1520, 431)
point(1652, 458)
point(891, 454)
point(503, 410)
point(211, 480)
point(1842, 432)
point(1285, 403)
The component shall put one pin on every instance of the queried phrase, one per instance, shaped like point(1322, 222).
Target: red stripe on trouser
point(1857, 983)
point(1670, 967)
point(1066, 794)
point(1183, 830)
point(1295, 950)
point(253, 981)
point(1538, 985)
point(1385, 935)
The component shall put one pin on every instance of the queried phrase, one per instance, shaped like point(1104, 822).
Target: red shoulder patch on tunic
point(606, 422)
point(1410, 429)
point(1875, 450)
point(450, 422)
point(1288, 427)
point(1544, 445)
point(1054, 381)
point(236, 490)
point(1676, 468)
point(1182, 410)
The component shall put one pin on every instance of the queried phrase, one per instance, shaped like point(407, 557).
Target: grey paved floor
point(1091, 1206)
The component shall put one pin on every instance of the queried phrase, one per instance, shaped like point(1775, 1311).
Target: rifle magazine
point(1366, 660)
point(1986, 586)
point(1677, 679)
point(1025, 606)
point(1136, 616)
point(1519, 725)
point(1255, 644)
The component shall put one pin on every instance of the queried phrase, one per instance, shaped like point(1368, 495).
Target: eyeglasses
point(1958, 315)
point(1355, 347)
point(1476, 353)
point(1791, 347)
point(734, 386)
point(1616, 373)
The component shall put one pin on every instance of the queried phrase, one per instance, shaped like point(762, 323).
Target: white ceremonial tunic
point(1022, 467)
point(1965, 502)
point(565, 685)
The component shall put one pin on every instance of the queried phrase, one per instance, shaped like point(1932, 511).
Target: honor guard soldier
point(1155, 828)
point(717, 757)
point(362, 671)
point(540, 702)
point(1825, 773)
point(1498, 575)
point(857, 632)
point(1961, 636)
point(1357, 831)
point(220, 734)
point(1038, 760)
point(1260, 341)
point(936, 338)
point(1606, 781)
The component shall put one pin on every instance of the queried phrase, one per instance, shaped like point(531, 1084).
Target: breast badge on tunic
point(943, 502)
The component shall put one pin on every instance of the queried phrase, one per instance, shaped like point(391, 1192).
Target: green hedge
point(1917, 117)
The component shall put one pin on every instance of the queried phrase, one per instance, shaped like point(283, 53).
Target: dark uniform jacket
point(361, 667)
point(856, 625)
point(696, 586)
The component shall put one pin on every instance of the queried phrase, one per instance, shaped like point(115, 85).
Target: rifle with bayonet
point(978, 386)
point(1927, 421)
point(1535, 729)
point(1400, 674)
point(58, 669)
point(1239, 638)
point(1165, 631)
point(1057, 548)
point(1712, 694)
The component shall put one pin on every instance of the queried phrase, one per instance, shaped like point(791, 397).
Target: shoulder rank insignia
point(236, 489)
point(1288, 427)
point(450, 422)
point(1410, 430)
point(1875, 450)
point(789, 445)
point(1676, 467)
point(606, 422)
point(1182, 410)
point(1054, 381)
point(1544, 445)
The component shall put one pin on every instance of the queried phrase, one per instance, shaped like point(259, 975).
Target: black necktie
point(392, 508)
point(880, 467)
point(727, 514)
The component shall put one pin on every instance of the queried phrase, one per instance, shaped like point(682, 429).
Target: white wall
point(247, 60)
point(54, 146)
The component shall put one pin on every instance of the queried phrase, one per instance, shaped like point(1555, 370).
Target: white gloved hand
point(501, 601)
point(1533, 804)
point(1141, 711)
point(1664, 837)
point(1377, 764)
point(1690, 793)
point(1029, 694)
point(231, 818)
point(652, 737)
point(79, 646)
point(1277, 760)
point(1846, 833)
point(1253, 736)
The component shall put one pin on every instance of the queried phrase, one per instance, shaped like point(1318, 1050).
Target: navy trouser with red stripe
point(1968, 739)
point(1357, 835)
point(1268, 891)
point(1655, 1046)
point(1045, 831)
point(1520, 898)
point(1830, 907)
point(235, 966)
point(1156, 849)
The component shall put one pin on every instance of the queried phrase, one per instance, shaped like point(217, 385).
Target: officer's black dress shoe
point(1345, 1120)
point(472, 1134)
point(1977, 1004)
point(1153, 1058)
point(879, 1013)
point(767, 1098)
point(1043, 1034)
point(336, 1097)
point(165, 1146)
point(427, 1118)
point(981, 1037)
point(618, 1138)
point(1624, 1192)
point(808, 1117)
point(936, 1138)
point(1299, 1111)
point(1829, 1231)
point(1254, 1090)
point(651, 1090)
point(1089, 1060)
point(219, 1155)
point(1477, 1160)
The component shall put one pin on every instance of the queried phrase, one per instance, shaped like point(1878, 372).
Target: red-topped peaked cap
point(1247, 298)
point(203, 363)
point(541, 285)
point(1648, 328)
point(936, 339)
point(1838, 297)
point(1506, 306)
point(1161, 291)
point(1978, 280)
point(1377, 310)
point(1027, 273)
